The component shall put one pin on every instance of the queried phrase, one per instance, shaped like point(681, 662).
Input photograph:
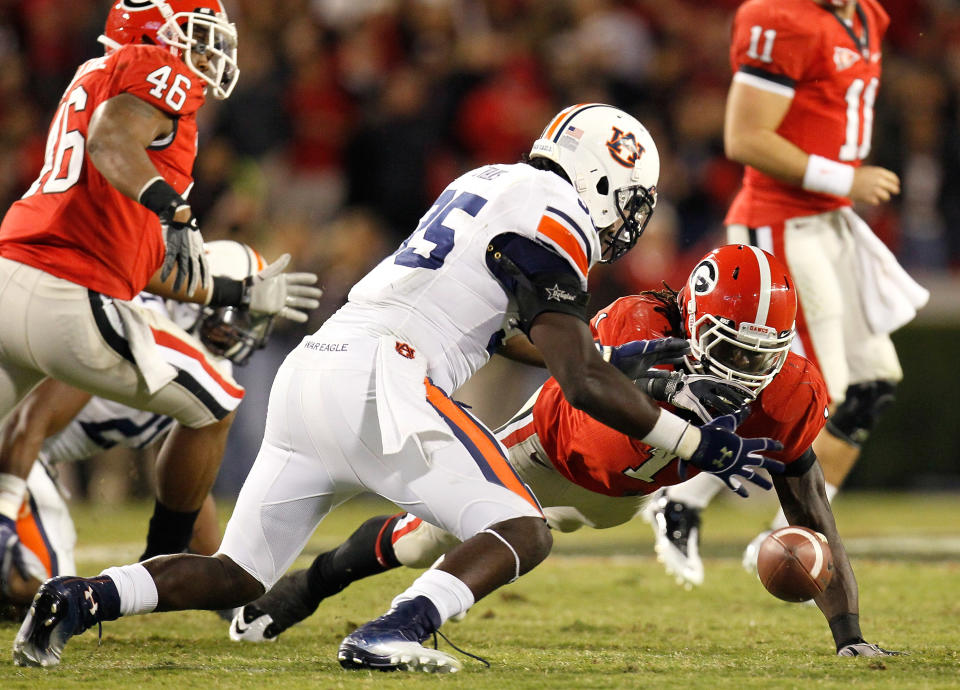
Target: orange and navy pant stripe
point(34, 537)
point(479, 442)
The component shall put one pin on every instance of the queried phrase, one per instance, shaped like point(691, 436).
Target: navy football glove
point(635, 357)
point(724, 454)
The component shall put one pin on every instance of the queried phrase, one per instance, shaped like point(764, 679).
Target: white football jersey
point(102, 424)
point(436, 292)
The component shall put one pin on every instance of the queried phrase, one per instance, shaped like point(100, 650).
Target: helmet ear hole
point(603, 185)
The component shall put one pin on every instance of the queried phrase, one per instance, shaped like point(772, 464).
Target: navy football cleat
point(63, 607)
point(393, 641)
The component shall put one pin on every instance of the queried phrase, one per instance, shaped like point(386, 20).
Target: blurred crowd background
point(351, 115)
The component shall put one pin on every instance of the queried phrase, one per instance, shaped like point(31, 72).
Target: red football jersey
point(831, 70)
point(792, 409)
point(71, 222)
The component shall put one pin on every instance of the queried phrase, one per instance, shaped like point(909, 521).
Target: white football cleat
point(676, 530)
point(250, 624)
point(749, 561)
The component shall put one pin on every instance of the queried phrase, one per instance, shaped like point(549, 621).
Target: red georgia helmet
point(738, 308)
point(185, 27)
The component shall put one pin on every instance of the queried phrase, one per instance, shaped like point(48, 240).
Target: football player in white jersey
point(362, 405)
point(45, 537)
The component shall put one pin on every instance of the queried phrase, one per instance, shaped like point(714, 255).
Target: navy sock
point(106, 598)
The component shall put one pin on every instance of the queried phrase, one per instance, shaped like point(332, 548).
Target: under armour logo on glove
point(724, 454)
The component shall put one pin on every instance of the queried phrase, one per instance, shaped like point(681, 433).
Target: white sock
point(138, 591)
point(781, 520)
point(12, 491)
point(696, 492)
point(447, 592)
point(831, 491)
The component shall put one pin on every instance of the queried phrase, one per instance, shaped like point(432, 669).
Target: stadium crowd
point(350, 116)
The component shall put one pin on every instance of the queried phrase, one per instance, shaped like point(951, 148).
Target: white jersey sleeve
point(436, 291)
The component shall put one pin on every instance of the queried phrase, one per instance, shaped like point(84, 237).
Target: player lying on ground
point(73, 425)
point(737, 310)
point(359, 406)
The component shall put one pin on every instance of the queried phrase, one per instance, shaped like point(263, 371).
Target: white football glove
point(703, 394)
point(865, 649)
point(288, 295)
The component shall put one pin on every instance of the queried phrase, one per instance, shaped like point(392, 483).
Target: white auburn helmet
point(229, 332)
point(612, 162)
point(184, 27)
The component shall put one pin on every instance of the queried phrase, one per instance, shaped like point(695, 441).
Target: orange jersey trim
point(557, 232)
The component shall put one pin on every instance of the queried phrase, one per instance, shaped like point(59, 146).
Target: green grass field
point(599, 613)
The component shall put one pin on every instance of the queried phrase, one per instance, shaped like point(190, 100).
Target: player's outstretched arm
point(587, 381)
point(804, 502)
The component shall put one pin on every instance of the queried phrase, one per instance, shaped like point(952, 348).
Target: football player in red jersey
point(800, 114)
point(106, 218)
point(737, 310)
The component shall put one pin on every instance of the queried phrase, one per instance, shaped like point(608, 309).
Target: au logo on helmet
point(624, 148)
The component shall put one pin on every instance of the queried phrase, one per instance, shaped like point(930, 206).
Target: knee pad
point(858, 414)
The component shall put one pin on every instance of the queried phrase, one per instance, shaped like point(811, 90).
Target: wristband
point(846, 629)
point(226, 292)
point(158, 196)
point(673, 435)
point(827, 176)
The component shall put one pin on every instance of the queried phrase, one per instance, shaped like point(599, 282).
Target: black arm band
point(161, 198)
point(846, 629)
point(801, 465)
point(227, 292)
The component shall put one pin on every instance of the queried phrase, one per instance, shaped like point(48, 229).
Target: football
point(795, 563)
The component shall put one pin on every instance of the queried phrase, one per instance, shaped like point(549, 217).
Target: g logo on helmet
point(136, 5)
point(623, 148)
point(704, 277)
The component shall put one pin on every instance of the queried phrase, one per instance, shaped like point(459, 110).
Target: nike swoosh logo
point(236, 625)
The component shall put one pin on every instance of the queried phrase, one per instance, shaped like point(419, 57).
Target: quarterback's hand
point(724, 454)
point(865, 649)
point(184, 249)
point(637, 356)
point(873, 184)
point(16, 561)
point(703, 394)
point(289, 295)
